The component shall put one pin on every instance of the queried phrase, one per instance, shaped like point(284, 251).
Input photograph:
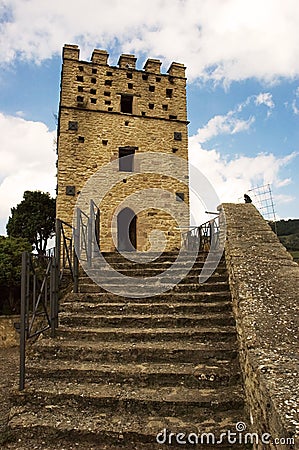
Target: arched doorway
point(126, 230)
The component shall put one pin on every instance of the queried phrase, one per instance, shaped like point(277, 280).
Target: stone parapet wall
point(264, 282)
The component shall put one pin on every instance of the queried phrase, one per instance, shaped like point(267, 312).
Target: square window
point(171, 116)
point(93, 100)
point(70, 190)
point(168, 93)
point(105, 141)
point(73, 125)
point(126, 103)
point(80, 78)
point(108, 82)
point(129, 75)
point(94, 71)
point(80, 99)
point(158, 79)
point(179, 196)
point(107, 93)
point(109, 74)
point(130, 86)
point(165, 107)
point(110, 108)
point(93, 91)
point(80, 88)
point(126, 159)
point(151, 88)
point(143, 113)
point(80, 68)
point(144, 76)
point(81, 139)
point(177, 136)
point(174, 150)
point(107, 102)
point(126, 123)
point(151, 105)
point(93, 80)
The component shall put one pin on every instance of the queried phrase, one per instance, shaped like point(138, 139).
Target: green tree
point(33, 219)
point(10, 269)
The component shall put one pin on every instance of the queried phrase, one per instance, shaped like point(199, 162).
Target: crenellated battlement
point(126, 61)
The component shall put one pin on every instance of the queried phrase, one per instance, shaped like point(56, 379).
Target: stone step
point(176, 401)
point(168, 297)
point(123, 289)
point(145, 308)
point(146, 320)
point(216, 333)
point(69, 428)
point(152, 271)
point(144, 374)
point(124, 352)
point(116, 278)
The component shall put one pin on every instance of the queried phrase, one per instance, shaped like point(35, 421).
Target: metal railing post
point(23, 321)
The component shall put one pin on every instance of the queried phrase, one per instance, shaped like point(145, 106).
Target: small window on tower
point(168, 93)
point(126, 159)
point(93, 91)
point(126, 103)
point(80, 78)
point(80, 88)
point(180, 196)
point(151, 88)
point(177, 136)
point(73, 125)
point(94, 70)
point(108, 82)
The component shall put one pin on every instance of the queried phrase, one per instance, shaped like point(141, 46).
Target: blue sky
point(242, 63)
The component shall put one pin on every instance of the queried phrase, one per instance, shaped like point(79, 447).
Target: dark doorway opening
point(126, 230)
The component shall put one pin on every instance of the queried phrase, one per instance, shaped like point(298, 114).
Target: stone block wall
point(264, 282)
point(104, 108)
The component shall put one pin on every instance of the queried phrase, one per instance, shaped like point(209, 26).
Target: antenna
point(262, 198)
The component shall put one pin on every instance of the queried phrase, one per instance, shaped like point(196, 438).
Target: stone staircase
point(122, 370)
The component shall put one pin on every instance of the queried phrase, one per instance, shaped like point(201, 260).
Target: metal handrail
point(203, 237)
point(40, 281)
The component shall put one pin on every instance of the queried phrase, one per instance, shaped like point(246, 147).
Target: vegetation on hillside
point(288, 233)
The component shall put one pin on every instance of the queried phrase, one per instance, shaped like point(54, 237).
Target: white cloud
point(222, 124)
point(265, 98)
point(232, 177)
point(294, 107)
point(27, 161)
point(216, 39)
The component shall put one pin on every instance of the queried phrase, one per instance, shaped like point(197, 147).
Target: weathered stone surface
point(121, 370)
point(264, 282)
point(8, 334)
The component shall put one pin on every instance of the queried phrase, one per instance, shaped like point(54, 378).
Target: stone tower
point(108, 112)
